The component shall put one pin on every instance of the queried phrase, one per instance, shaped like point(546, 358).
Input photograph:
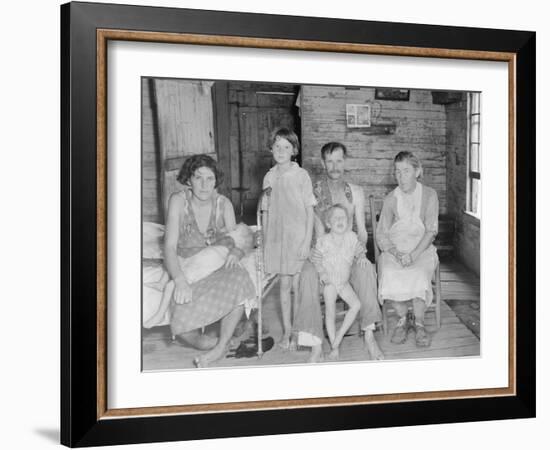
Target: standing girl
point(288, 205)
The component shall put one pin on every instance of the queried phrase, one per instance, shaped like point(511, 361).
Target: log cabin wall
point(185, 117)
point(177, 122)
point(150, 157)
point(466, 240)
point(416, 125)
point(255, 110)
point(436, 133)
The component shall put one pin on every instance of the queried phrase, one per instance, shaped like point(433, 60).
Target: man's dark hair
point(331, 147)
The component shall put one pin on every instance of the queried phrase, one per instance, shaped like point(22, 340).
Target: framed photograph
point(255, 243)
point(358, 116)
point(391, 94)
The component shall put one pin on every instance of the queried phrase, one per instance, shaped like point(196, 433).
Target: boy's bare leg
point(350, 297)
point(164, 303)
point(316, 354)
point(329, 295)
point(227, 327)
point(286, 284)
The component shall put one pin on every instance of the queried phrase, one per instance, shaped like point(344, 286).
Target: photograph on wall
point(308, 224)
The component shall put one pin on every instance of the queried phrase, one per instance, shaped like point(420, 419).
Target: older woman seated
point(405, 234)
point(198, 217)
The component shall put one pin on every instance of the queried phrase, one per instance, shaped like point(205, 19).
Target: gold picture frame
point(86, 184)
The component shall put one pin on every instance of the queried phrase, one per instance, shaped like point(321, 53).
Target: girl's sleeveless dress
point(290, 194)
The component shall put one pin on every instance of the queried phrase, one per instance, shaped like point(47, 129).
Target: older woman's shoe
point(399, 335)
point(422, 337)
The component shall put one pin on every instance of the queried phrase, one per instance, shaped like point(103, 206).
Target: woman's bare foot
point(316, 354)
point(213, 355)
point(199, 341)
point(372, 346)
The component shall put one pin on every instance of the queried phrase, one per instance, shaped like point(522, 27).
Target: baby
point(199, 266)
point(338, 249)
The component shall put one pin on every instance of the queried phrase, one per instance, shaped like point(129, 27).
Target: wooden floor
point(453, 339)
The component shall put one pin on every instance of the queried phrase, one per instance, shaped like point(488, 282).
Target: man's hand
point(362, 261)
point(406, 260)
point(303, 253)
point(316, 256)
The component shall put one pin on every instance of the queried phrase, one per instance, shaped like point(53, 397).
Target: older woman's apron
point(400, 283)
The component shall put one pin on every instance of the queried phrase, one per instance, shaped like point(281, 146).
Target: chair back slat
point(374, 224)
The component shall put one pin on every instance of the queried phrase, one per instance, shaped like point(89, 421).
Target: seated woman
point(197, 217)
point(405, 234)
point(200, 265)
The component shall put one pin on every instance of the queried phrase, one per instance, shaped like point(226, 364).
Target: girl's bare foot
point(372, 346)
point(334, 354)
point(293, 343)
point(316, 354)
point(284, 343)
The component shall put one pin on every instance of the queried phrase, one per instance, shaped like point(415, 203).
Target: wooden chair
point(436, 280)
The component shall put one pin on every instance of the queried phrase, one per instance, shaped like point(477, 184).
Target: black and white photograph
point(292, 224)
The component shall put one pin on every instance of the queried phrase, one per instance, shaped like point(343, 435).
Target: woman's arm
point(431, 224)
point(182, 291)
point(235, 254)
point(424, 243)
point(384, 225)
point(171, 237)
point(229, 215)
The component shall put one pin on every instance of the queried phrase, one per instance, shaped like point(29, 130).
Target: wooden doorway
point(256, 109)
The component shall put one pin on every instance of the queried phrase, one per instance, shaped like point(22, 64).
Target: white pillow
point(153, 240)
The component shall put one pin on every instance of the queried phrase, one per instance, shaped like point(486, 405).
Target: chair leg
point(438, 297)
point(385, 319)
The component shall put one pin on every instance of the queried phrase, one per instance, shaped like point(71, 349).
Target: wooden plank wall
point(420, 128)
point(253, 116)
point(183, 113)
point(150, 158)
point(467, 228)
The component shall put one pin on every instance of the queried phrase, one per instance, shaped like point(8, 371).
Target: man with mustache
point(329, 190)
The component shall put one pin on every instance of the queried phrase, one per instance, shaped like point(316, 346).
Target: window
point(473, 190)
